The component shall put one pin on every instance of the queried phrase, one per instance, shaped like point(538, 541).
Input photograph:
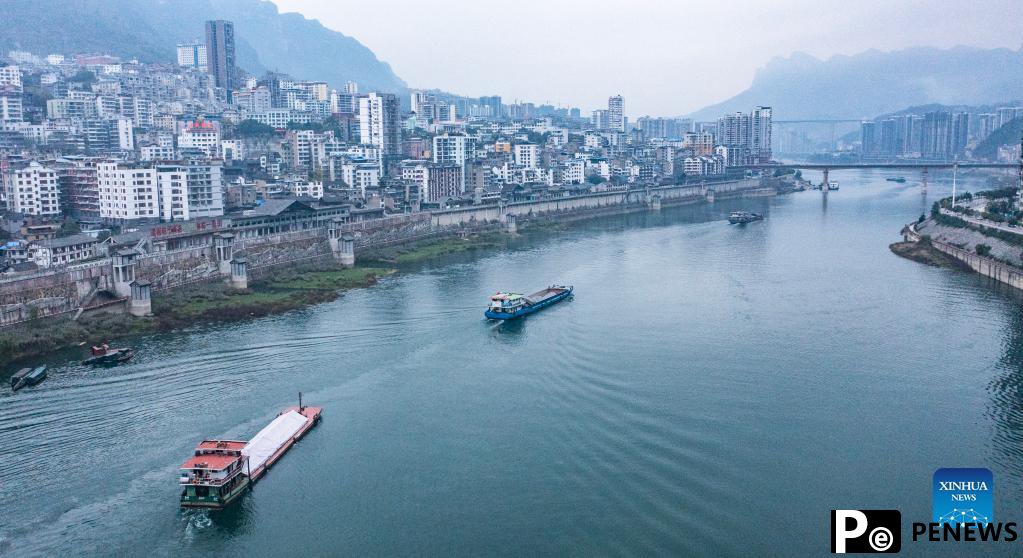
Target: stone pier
point(124, 265)
point(346, 256)
point(655, 202)
point(239, 274)
point(224, 245)
point(141, 303)
point(510, 225)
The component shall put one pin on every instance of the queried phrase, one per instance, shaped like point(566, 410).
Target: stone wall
point(56, 292)
point(988, 267)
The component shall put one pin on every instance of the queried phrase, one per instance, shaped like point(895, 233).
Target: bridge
point(924, 166)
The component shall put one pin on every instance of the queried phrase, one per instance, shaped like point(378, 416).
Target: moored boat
point(743, 217)
point(32, 378)
point(18, 377)
point(220, 470)
point(507, 306)
point(104, 355)
point(899, 179)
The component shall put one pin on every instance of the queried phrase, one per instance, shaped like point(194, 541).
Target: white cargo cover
point(271, 438)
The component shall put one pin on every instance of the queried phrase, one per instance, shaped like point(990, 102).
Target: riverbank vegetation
point(420, 251)
point(923, 252)
point(279, 291)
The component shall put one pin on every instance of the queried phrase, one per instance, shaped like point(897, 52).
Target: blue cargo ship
point(507, 306)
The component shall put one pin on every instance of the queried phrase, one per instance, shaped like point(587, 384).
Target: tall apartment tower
point(616, 113)
point(760, 119)
point(220, 53)
point(380, 122)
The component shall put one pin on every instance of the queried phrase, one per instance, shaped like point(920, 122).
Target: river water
point(711, 390)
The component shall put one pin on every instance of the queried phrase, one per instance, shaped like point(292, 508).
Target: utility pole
point(955, 171)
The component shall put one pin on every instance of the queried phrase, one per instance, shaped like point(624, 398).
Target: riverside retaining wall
point(988, 267)
point(61, 291)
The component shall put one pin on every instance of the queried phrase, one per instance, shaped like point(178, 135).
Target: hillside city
point(96, 152)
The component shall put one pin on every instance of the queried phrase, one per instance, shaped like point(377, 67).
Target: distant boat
point(898, 179)
point(507, 306)
point(103, 355)
point(743, 217)
point(832, 185)
point(28, 377)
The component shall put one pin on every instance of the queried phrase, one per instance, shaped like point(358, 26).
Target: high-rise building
point(220, 53)
point(760, 146)
point(937, 135)
point(734, 133)
point(379, 122)
point(960, 134)
point(986, 124)
point(493, 104)
point(192, 55)
point(868, 139)
point(616, 113)
point(600, 119)
point(455, 149)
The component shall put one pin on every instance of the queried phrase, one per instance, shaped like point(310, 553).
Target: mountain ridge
point(150, 29)
point(875, 82)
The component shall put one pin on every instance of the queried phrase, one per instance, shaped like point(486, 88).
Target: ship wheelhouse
point(507, 303)
point(214, 475)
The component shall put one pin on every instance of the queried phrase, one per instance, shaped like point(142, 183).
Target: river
point(711, 390)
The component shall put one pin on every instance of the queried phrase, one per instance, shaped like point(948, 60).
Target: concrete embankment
point(965, 253)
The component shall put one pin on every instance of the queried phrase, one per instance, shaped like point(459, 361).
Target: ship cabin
point(507, 303)
point(215, 475)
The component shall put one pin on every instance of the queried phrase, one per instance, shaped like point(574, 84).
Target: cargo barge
point(507, 306)
point(220, 470)
point(743, 217)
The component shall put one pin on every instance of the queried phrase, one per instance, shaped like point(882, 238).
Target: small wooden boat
point(17, 378)
point(31, 378)
point(103, 355)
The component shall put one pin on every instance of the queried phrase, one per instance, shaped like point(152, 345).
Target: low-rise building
point(62, 251)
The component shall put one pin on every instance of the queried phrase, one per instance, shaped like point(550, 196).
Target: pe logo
point(866, 531)
point(963, 496)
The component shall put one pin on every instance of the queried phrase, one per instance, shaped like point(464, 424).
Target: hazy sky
point(666, 57)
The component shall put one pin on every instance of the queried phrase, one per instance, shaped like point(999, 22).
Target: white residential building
point(360, 175)
point(201, 135)
point(190, 191)
point(527, 155)
point(616, 113)
point(192, 55)
point(32, 190)
point(379, 122)
point(10, 75)
point(127, 192)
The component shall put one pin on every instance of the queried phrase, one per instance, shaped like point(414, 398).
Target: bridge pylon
point(826, 184)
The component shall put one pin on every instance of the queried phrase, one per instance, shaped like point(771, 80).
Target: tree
point(68, 228)
point(595, 179)
point(252, 128)
point(84, 77)
point(983, 250)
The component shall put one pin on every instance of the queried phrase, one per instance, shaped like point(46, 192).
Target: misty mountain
point(150, 29)
point(874, 82)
